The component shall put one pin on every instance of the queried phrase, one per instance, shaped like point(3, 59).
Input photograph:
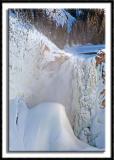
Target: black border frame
point(112, 49)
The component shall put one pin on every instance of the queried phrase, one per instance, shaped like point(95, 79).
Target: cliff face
point(41, 72)
point(100, 63)
point(64, 27)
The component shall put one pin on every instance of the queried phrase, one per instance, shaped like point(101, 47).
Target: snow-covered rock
point(63, 26)
point(61, 18)
point(100, 58)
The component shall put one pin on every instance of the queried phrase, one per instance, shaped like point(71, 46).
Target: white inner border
point(107, 7)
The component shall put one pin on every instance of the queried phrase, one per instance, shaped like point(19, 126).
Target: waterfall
point(41, 72)
point(87, 85)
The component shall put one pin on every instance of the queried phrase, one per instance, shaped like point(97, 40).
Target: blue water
point(85, 49)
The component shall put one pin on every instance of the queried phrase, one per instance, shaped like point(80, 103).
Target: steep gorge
point(41, 72)
point(76, 26)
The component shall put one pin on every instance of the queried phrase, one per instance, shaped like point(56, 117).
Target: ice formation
point(40, 72)
point(30, 131)
point(61, 18)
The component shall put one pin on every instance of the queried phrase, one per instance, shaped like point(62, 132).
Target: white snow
point(40, 72)
point(32, 132)
point(17, 116)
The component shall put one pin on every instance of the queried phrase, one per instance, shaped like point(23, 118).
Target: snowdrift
point(40, 72)
point(42, 128)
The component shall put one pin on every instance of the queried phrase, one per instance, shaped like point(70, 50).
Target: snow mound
point(61, 17)
point(42, 128)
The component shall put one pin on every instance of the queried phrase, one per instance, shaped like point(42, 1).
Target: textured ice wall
point(40, 72)
point(86, 110)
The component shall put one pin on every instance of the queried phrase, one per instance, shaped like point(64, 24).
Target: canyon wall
point(64, 27)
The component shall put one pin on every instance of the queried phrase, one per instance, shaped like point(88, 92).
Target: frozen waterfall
point(40, 72)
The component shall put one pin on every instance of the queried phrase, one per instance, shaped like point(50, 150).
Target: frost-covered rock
point(100, 58)
point(61, 18)
point(100, 63)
